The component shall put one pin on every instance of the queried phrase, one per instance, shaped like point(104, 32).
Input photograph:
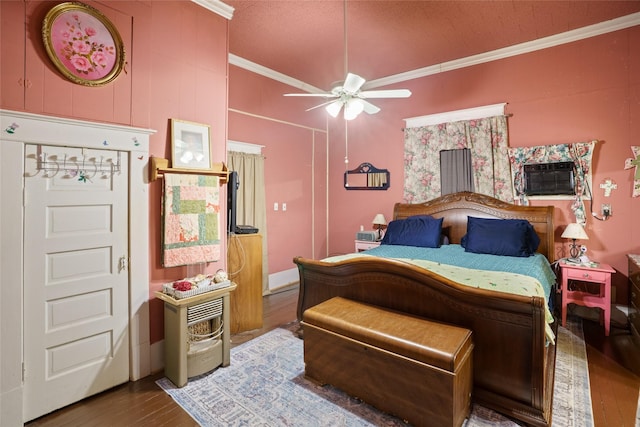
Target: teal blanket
point(536, 266)
point(527, 276)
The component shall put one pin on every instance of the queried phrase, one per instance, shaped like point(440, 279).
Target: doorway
point(20, 129)
point(76, 292)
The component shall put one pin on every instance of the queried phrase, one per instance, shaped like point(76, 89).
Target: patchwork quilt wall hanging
point(191, 219)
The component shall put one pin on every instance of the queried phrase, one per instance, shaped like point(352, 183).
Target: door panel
point(76, 339)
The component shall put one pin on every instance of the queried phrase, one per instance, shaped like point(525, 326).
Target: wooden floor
point(614, 370)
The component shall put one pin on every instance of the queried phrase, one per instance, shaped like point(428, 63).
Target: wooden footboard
point(513, 369)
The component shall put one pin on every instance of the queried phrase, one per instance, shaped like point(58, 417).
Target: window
point(456, 171)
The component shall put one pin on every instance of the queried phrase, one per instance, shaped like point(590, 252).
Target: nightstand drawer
point(586, 275)
point(634, 295)
point(634, 317)
point(634, 273)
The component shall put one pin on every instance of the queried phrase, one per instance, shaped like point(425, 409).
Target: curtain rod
point(503, 115)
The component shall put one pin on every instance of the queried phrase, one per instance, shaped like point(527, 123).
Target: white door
point(76, 286)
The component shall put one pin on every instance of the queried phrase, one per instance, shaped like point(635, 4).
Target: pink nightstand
point(600, 274)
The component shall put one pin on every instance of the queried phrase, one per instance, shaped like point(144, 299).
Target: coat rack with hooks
point(77, 166)
point(158, 166)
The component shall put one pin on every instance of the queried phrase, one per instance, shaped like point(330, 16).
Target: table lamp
point(379, 222)
point(574, 232)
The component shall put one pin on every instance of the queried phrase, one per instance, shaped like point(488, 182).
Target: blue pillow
point(419, 230)
point(510, 237)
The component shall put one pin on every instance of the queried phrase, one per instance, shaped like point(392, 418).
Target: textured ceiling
point(305, 39)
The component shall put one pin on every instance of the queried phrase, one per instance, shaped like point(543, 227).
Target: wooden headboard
point(455, 208)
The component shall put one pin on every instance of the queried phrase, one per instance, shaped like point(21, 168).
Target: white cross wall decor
point(607, 186)
point(635, 161)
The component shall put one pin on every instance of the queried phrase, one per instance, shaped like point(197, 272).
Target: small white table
point(363, 245)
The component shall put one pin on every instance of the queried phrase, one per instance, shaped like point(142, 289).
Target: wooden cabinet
point(30, 82)
point(634, 296)
point(12, 77)
point(245, 270)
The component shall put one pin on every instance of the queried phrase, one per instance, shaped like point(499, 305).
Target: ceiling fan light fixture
point(352, 108)
point(349, 93)
point(334, 108)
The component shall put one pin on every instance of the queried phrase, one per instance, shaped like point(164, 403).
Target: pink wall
point(31, 83)
point(188, 81)
point(176, 56)
point(580, 91)
point(295, 165)
point(584, 90)
point(576, 92)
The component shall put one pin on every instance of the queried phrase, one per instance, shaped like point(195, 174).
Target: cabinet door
point(12, 81)
point(245, 270)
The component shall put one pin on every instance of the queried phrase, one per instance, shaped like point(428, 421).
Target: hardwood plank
point(613, 363)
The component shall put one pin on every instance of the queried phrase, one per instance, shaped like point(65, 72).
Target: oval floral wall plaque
point(83, 44)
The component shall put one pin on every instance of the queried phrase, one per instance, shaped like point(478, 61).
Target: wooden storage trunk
point(413, 368)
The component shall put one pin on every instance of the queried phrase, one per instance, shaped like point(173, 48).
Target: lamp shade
point(379, 219)
point(334, 108)
point(352, 108)
point(574, 231)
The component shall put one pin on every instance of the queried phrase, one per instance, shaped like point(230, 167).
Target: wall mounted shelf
point(158, 166)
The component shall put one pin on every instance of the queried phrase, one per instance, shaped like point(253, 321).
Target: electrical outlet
point(284, 207)
point(275, 206)
point(606, 210)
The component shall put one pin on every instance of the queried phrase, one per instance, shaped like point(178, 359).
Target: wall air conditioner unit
point(549, 179)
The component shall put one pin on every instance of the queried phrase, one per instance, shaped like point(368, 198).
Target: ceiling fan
point(349, 94)
point(352, 98)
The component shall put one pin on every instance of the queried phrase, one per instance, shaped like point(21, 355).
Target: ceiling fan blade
point(392, 93)
point(334, 108)
point(322, 95)
point(369, 108)
point(353, 83)
point(320, 105)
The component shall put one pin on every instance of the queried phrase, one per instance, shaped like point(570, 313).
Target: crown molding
point(244, 147)
point(216, 6)
point(518, 49)
point(494, 55)
point(456, 116)
point(272, 74)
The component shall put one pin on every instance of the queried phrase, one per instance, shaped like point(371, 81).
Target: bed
point(514, 355)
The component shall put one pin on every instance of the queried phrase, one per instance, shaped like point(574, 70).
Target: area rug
point(265, 386)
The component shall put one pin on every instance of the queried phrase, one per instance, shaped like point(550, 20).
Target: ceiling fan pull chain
point(346, 56)
point(346, 151)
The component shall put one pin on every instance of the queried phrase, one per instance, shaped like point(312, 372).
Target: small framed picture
point(83, 44)
point(190, 145)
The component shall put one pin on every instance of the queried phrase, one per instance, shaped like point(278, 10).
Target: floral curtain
point(578, 152)
point(487, 139)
